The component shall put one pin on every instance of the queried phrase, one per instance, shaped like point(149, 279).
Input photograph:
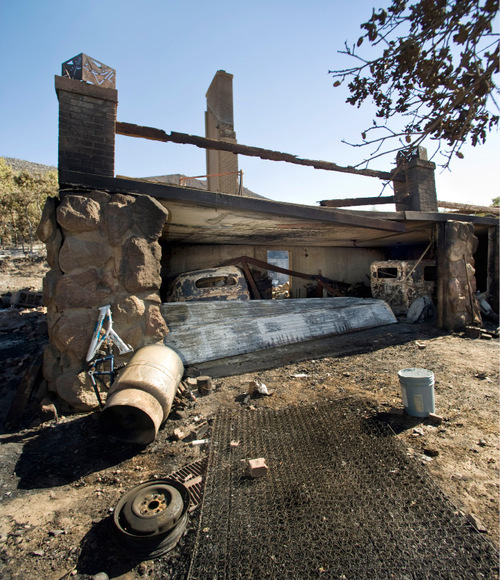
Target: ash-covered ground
point(61, 478)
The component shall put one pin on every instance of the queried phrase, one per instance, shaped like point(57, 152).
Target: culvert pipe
point(140, 399)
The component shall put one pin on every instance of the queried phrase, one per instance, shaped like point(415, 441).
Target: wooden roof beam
point(469, 208)
point(131, 130)
point(350, 202)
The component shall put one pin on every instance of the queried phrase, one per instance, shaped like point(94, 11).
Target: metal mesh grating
point(191, 476)
point(341, 499)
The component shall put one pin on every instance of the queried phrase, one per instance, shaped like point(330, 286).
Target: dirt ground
point(20, 273)
point(61, 479)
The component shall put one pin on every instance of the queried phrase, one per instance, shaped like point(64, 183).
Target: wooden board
point(351, 202)
point(357, 342)
point(204, 331)
point(132, 130)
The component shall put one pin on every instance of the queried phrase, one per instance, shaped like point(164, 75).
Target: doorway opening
point(280, 280)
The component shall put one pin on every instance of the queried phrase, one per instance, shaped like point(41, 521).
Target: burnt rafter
point(323, 283)
point(470, 208)
point(132, 130)
point(349, 202)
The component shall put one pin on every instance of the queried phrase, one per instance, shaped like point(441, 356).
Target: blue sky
point(166, 53)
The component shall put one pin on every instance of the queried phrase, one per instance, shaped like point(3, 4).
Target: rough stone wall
point(457, 274)
point(102, 249)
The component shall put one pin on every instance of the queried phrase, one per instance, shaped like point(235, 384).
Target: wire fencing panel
point(341, 499)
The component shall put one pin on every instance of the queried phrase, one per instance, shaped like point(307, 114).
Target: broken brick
point(436, 419)
point(179, 434)
point(257, 467)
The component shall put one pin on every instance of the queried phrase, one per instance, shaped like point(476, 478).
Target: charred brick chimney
point(87, 116)
point(418, 192)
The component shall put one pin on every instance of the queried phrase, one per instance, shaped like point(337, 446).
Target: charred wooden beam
point(132, 130)
point(444, 217)
point(268, 266)
point(469, 208)
point(245, 260)
point(250, 279)
point(350, 202)
point(24, 392)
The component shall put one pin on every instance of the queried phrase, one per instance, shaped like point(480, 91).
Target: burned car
point(401, 282)
point(224, 283)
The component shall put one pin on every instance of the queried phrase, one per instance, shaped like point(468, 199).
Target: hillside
point(30, 166)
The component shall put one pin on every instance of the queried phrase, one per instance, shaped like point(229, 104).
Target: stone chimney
point(87, 116)
point(219, 124)
point(418, 192)
point(101, 248)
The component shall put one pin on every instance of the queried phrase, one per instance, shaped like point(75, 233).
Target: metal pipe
point(140, 399)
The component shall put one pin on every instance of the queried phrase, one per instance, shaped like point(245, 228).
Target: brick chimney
point(87, 116)
point(219, 124)
point(418, 193)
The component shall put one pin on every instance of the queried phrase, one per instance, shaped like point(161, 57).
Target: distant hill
point(23, 165)
point(29, 166)
point(175, 179)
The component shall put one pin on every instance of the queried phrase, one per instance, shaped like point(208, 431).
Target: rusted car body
point(224, 283)
point(401, 282)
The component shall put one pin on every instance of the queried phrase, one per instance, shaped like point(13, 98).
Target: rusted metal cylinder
point(140, 399)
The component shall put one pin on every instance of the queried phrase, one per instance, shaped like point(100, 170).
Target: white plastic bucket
point(417, 390)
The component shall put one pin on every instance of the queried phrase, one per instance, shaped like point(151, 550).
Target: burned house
point(122, 241)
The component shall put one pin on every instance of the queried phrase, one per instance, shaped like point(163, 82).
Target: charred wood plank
point(203, 331)
point(350, 202)
point(448, 216)
point(273, 268)
point(470, 208)
point(132, 130)
point(250, 280)
point(245, 260)
point(24, 392)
